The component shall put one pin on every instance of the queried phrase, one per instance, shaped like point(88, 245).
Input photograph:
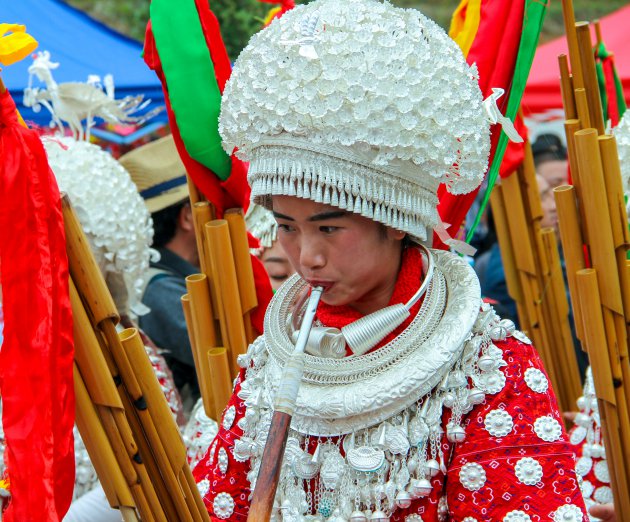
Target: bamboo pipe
point(598, 32)
point(574, 53)
point(84, 271)
point(582, 108)
point(587, 60)
point(615, 442)
point(193, 192)
point(89, 357)
point(158, 450)
point(507, 249)
point(201, 215)
point(566, 88)
point(158, 413)
point(220, 379)
point(165, 509)
point(204, 336)
point(99, 448)
point(571, 127)
point(571, 237)
point(224, 273)
point(598, 223)
point(570, 373)
point(244, 270)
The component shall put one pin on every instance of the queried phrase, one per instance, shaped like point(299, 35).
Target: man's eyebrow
point(277, 215)
point(328, 215)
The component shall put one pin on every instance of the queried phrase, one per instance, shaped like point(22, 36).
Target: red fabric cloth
point(502, 491)
point(36, 382)
point(494, 51)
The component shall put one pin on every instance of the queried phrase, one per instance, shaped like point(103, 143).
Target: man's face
point(555, 172)
point(355, 259)
point(277, 264)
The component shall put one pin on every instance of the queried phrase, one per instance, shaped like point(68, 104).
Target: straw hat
point(158, 172)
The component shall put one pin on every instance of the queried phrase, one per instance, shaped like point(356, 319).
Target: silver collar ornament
point(374, 419)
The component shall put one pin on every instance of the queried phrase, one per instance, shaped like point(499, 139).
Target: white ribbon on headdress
point(495, 116)
point(461, 247)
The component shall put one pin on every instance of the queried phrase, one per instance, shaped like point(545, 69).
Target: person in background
point(550, 159)
point(160, 177)
point(263, 226)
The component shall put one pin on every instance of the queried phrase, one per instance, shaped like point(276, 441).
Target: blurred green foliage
point(240, 19)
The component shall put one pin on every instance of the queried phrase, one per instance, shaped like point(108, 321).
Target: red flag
point(37, 353)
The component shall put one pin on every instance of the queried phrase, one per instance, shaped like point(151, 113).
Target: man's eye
point(282, 277)
point(328, 229)
point(285, 228)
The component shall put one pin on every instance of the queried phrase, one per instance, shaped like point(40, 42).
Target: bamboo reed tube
point(218, 236)
point(84, 271)
point(99, 448)
point(172, 458)
point(570, 373)
point(507, 254)
point(201, 215)
point(614, 432)
point(571, 127)
point(517, 223)
point(587, 60)
point(204, 335)
point(220, 379)
point(598, 223)
point(566, 88)
point(165, 510)
point(242, 258)
point(598, 32)
point(89, 357)
point(582, 108)
point(574, 53)
point(572, 242)
point(193, 192)
point(125, 369)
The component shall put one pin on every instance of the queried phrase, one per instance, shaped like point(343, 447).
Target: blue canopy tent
point(82, 46)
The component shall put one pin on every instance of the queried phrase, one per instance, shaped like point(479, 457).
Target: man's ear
point(185, 219)
point(397, 235)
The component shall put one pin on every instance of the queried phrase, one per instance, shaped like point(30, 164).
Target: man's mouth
point(326, 285)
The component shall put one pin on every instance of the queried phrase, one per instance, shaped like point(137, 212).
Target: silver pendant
point(366, 459)
point(304, 467)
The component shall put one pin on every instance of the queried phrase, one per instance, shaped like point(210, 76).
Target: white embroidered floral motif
point(228, 418)
point(578, 435)
point(223, 506)
point(470, 519)
point(203, 486)
point(472, 476)
point(413, 518)
point(528, 471)
point(601, 472)
point(536, 380)
point(223, 461)
point(517, 516)
point(603, 495)
point(492, 382)
point(583, 466)
point(498, 423)
point(548, 428)
point(587, 488)
point(568, 513)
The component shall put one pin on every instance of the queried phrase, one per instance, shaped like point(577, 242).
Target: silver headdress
point(359, 105)
point(622, 134)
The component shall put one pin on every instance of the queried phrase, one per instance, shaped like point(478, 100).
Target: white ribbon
point(495, 116)
point(459, 246)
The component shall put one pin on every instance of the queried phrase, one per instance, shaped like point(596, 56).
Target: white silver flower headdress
point(360, 105)
point(111, 212)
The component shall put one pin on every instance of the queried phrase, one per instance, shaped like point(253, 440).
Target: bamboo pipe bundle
point(613, 406)
point(224, 275)
point(243, 264)
point(113, 421)
point(166, 443)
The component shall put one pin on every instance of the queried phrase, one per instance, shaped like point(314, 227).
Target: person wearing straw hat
point(160, 177)
point(416, 401)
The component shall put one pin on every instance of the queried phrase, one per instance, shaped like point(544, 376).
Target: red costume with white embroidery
point(514, 464)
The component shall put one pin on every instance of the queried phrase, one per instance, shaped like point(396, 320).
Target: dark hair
point(548, 147)
point(165, 224)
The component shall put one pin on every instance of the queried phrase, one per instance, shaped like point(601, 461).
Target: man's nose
point(312, 255)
